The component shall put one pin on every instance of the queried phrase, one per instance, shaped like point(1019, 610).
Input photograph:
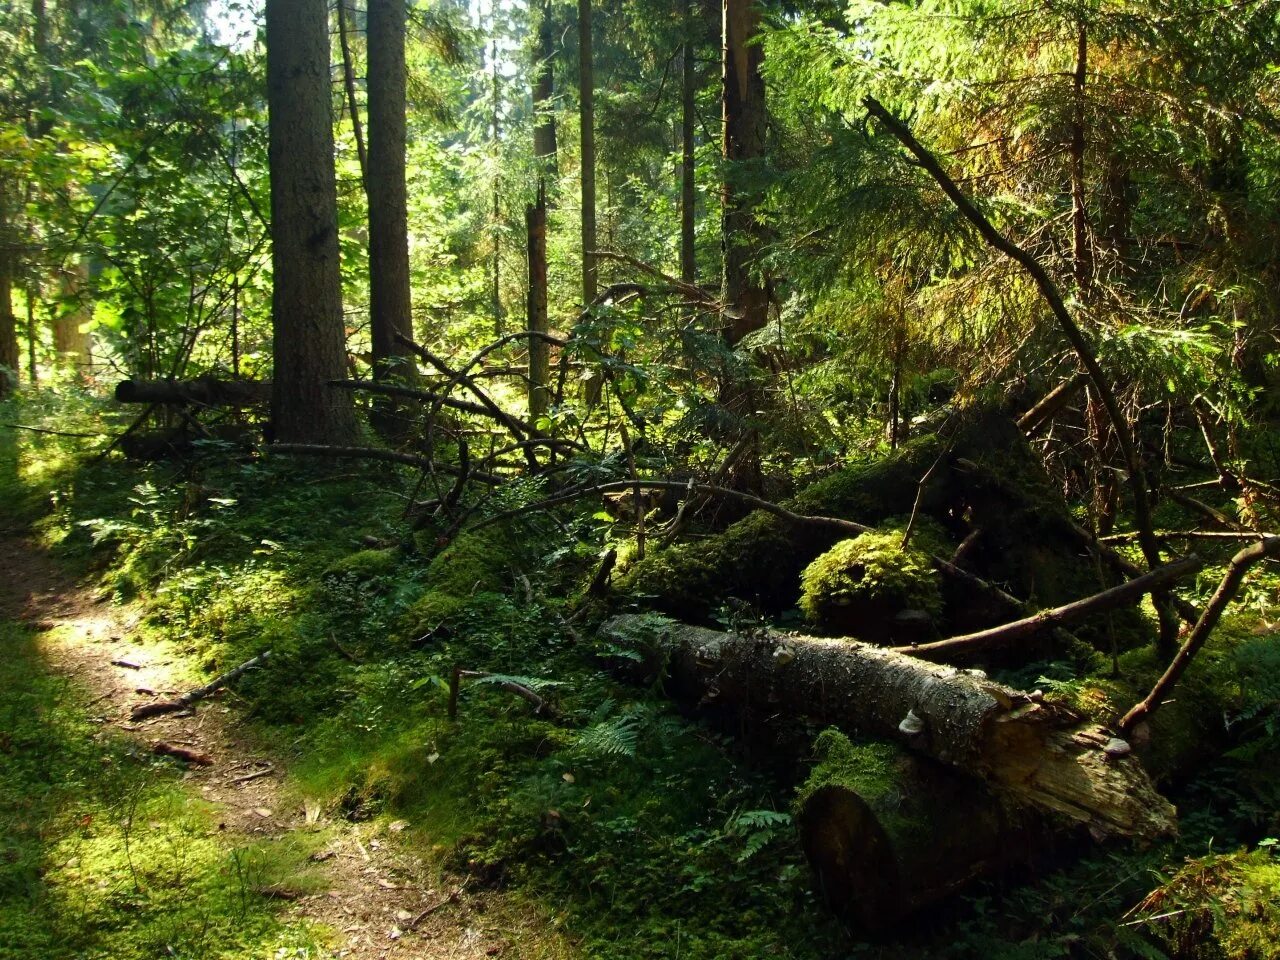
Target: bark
point(390, 304)
point(1032, 754)
point(307, 315)
point(745, 299)
point(205, 391)
point(888, 832)
point(586, 120)
point(159, 707)
point(537, 322)
point(1053, 403)
point(1081, 255)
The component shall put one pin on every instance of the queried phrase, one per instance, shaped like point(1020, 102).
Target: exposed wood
point(160, 707)
point(162, 748)
point(1266, 549)
point(1031, 753)
point(983, 640)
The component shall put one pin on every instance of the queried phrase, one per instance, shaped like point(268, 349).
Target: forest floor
point(365, 895)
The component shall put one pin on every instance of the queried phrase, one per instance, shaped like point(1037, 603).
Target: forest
point(694, 479)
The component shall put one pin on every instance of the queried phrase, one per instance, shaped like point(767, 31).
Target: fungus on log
point(1035, 754)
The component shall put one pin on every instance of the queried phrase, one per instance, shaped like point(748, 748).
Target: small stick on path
point(161, 707)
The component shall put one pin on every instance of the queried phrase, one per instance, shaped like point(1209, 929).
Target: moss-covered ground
point(633, 830)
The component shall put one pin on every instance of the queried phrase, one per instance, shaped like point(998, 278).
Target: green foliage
point(867, 577)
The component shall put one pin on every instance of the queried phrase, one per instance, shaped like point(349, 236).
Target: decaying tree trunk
point(200, 392)
point(1033, 754)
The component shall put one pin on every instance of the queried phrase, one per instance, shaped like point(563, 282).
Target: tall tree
point(390, 306)
point(9, 356)
point(307, 321)
point(688, 166)
point(586, 120)
point(544, 151)
point(742, 97)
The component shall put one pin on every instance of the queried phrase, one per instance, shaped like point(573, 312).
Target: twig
point(187, 699)
point(519, 689)
point(256, 775)
point(453, 897)
point(54, 433)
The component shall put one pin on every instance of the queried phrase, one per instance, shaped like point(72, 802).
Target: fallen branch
point(162, 748)
point(256, 775)
point(1051, 404)
point(187, 699)
point(1157, 579)
point(1230, 535)
point(52, 433)
point(519, 689)
point(1268, 548)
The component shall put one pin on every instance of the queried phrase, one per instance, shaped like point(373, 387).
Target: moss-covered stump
point(887, 833)
point(1024, 542)
point(866, 586)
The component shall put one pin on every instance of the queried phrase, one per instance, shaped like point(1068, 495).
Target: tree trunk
point(544, 151)
point(9, 356)
point(1030, 753)
point(496, 225)
point(745, 298)
point(688, 195)
point(200, 392)
point(307, 317)
point(72, 341)
point(390, 307)
point(349, 85)
point(1081, 254)
point(586, 119)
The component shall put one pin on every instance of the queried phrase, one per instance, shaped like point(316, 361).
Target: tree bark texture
point(72, 341)
point(688, 185)
point(586, 121)
point(390, 304)
point(10, 359)
point(742, 95)
point(307, 318)
point(205, 391)
point(1033, 754)
point(539, 349)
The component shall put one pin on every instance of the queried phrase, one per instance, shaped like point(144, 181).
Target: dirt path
point(380, 901)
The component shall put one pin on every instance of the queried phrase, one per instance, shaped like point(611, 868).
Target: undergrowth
point(637, 831)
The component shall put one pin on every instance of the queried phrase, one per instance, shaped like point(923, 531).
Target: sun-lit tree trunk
point(306, 308)
point(586, 121)
point(1081, 255)
point(495, 120)
point(33, 335)
point(349, 85)
point(745, 298)
point(390, 303)
point(9, 356)
point(72, 341)
point(544, 150)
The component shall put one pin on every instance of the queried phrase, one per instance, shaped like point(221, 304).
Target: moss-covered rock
point(857, 586)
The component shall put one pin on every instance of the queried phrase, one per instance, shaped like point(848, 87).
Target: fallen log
point(1031, 753)
point(888, 832)
point(200, 392)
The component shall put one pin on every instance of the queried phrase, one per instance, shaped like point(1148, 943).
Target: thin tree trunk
point(1081, 256)
point(586, 120)
point(688, 195)
point(544, 151)
point(390, 302)
point(72, 342)
point(745, 298)
point(9, 356)
point(495, 120)
point(33, 335)
point(307, 316)
point(349, 85)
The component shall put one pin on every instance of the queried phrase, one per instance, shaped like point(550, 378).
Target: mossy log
point(1035, 755)
point(1029, 546)
point(888, 832)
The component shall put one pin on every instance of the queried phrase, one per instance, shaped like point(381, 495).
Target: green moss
point(365, 564)
point(858, 584)
point(473, 566)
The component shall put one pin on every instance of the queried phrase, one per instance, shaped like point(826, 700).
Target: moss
point(473, 565)
point(858, 584)
point(365, 565)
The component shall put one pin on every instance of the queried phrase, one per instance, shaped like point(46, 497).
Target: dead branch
point(519, 689)
point(1073, 612)
point(162, 748)
point(1268, 548)
point(160, 707)
point(1051, 404)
